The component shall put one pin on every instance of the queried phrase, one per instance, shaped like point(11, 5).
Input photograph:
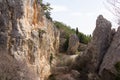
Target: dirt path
point(61, 67)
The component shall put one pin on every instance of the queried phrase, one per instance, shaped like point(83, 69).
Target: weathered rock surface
point(11, 69)
point(73, 44)
point(73, 75)
point(88, 63)
point(82, 47)
point(112, 56)
point(27, 39)
point(64, 73)
point(100, 42)
point(27, 35)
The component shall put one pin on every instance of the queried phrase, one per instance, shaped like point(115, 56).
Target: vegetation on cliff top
point(68, 31)
point(61, 26)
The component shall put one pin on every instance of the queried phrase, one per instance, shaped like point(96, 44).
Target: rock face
point(112, 56)
point(26, 35)
point(100, 42)
point(73, 44)
point(82, 47)
point(94, 59)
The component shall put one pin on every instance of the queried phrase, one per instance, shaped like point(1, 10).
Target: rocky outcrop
point(73, 44)
point(11, 69)
point(62, 70)
point(100, 42)
point(82, 47)
point(72, 75)
point(89, 63)
point(112, 56)
point(103, 51)
point(27, 36)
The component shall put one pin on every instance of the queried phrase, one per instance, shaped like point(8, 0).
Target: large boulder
point(73, 44)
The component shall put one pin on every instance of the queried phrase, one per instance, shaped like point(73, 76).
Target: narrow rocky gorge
point(98, 60)
point(31, 46)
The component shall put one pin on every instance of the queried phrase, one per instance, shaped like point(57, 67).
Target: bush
point(84, 38)
point(68, 31)
point(41, 32)
point(66, 44)
point(47, 10)
point(117, 67)
point(63, 27)
point(51, 77)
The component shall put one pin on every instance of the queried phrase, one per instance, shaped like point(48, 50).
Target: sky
point(80, 13)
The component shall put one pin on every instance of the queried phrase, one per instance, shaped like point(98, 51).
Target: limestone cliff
point(26, 35)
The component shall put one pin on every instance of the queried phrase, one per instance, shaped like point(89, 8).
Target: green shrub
point(68, 31)
point(77, 31)
point(66, 44)
point(65, 28)
point(51, 58)
point(41, 32)
point(51, 77)
point(117, 67)
point(84, 38)
point(47, 14)
point(47, 9)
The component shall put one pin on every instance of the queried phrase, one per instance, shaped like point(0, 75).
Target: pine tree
point(77, 31)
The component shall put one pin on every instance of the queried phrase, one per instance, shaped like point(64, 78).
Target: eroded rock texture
point(104, 50)
point(73, 44)
point(112, 56)
point(89, 63)
point(26, 35)
point(100, 41)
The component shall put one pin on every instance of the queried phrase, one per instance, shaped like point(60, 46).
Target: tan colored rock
point(26, 34)
point(11, 69)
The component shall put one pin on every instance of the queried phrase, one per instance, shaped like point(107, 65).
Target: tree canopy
point(68, 31)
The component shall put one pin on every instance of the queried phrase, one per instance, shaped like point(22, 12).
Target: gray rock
point(100, 42)
point(82, 47)
point(73, 44)
point(75, 74)
point(112, 56)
